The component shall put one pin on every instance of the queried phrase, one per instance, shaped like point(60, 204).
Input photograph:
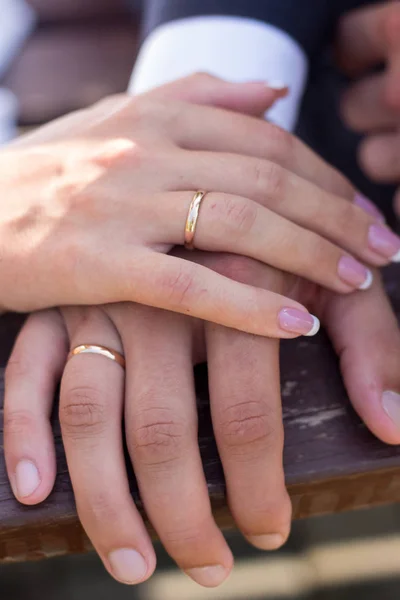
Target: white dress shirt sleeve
point(233, 48)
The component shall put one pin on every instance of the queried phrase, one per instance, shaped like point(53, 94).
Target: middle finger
point(161, 430)
point(217, 130)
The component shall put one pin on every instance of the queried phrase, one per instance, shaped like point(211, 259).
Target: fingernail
point(354, 273)
point(368, 206)
point(391, 405)
point(27, 478)
point(385, 242)
point(210, 576)
point(267, 542)
point(127, 565)
point(298, 321)
point(277, 85)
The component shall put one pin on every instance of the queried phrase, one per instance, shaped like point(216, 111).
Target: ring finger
point(91, 400)
point(234, 224)
point(294, 198)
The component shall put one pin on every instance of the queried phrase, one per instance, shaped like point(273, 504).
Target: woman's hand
point(96, 200)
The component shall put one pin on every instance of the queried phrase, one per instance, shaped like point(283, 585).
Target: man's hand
point(367, 39)
point(157, 398)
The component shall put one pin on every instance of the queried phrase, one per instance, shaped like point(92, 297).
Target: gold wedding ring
point(102, 350)
point(191, 221)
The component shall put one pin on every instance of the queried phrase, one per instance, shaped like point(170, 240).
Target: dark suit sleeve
point(309, 22)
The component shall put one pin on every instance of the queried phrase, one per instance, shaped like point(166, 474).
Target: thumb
point(252, 98)
point(365, 334)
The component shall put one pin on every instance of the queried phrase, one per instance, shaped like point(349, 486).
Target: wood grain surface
point(332, 462)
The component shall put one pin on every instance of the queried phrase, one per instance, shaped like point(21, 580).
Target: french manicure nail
point(127, 565)
point(277, 85)
point(354, 273)
point(27, 478)
point(385, 242)
point(298, 321)
point(391, 406)
point(368, 206)
point(210, 576)
point(267, 542)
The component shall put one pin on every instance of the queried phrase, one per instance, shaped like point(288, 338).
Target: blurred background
point(61, 55)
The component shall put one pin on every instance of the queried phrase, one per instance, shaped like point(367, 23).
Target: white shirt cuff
point(233, 48)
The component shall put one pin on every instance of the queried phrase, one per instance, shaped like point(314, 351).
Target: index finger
point(252, 98)
point(197, 291)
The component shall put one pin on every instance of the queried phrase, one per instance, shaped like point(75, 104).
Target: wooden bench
point(332, 462)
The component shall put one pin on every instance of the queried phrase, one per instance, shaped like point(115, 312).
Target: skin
point(156, 397)
point(70, 197)
point(366, 39)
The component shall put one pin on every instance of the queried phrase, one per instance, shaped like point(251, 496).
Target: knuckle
point(247, 425)
point(281, 144)
point(272, 183)
point(348, 220)
point(18, 422)
point(183, 537)
point(77, 198)
point(149, 110)
point(118, 151)
point(83, 412)
point(101, 507)
point(239, 214)
point(18, 367)
point(158, 437)
point(179, 287)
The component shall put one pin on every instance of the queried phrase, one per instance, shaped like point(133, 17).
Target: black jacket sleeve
point(309, 22)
